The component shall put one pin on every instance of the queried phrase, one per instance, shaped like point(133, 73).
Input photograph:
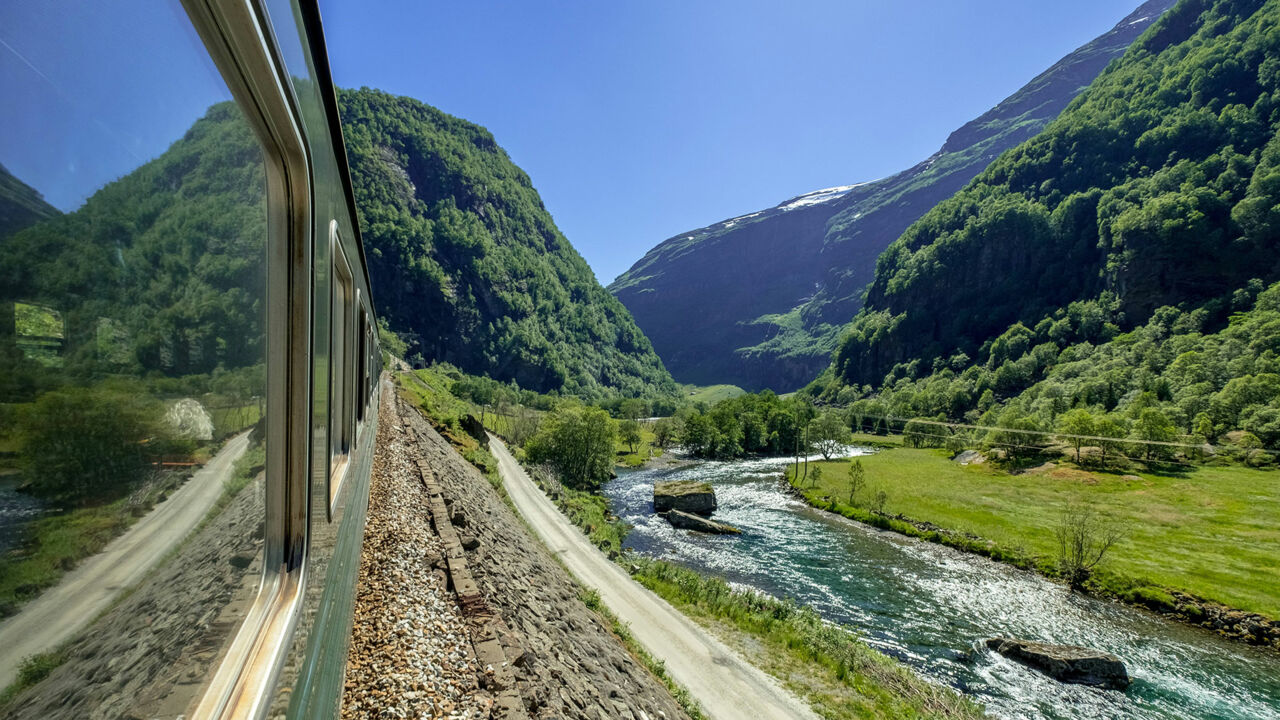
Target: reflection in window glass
point(132, 362)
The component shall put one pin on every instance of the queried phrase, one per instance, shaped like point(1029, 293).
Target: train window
point(362, 372)
point(133, 362)
point(341, 363)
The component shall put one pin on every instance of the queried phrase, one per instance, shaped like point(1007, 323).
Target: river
point(930, 606)
point(17, 509)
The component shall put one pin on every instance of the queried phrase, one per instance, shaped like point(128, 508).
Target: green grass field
point(644, 450)
point(710, 394)
point(1209, 531)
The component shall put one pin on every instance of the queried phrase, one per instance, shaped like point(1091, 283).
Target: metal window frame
point(341, 415)
point(237, 34)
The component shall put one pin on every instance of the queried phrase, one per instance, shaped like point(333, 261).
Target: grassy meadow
point(645, 449)
point(1208, 531)
point(710, 394)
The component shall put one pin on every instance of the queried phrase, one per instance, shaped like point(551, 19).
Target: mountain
point(464, 259)
point(774, 288)
point(467, 264)
point(20, 205)
point(1104, 263)
point(159, 271)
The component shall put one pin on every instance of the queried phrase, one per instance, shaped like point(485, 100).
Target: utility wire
point(1045, 433)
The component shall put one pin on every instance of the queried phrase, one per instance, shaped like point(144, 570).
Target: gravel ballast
point(410, 655)
point(434, 591)
point(567, 663)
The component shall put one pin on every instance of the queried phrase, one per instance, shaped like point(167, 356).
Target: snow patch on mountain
point(817, 197)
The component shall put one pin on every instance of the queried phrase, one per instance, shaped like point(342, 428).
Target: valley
point(1028, 387)
point(931, 606)
point(777, 287)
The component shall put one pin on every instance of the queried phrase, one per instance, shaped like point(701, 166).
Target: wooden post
point(806, 450)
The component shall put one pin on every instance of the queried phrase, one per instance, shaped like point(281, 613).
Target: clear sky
point(638, 120)
point(93, 90)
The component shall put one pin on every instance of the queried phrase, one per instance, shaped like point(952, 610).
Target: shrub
point(578, 442)
point(80, 445)
point(1084, 539)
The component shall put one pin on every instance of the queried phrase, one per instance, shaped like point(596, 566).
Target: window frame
point(238, 37)
point(342, 431)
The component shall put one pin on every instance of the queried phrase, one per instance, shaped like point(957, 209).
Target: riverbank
point(1197, 546)
point(931, 607)
point(828, 665)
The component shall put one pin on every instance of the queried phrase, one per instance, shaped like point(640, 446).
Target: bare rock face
point(475, 429)
point(1066, 663)
point(684, 495)
point(687, 521)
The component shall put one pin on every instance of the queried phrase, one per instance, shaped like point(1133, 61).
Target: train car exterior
point(191, 363)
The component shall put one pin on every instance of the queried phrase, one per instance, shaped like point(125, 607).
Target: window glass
point(132, 361)
point(340, 401)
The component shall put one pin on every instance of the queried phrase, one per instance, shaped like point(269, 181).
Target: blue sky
point(640, 120)
point(636, 120)
point(93, 90)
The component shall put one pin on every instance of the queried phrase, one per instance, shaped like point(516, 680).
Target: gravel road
point(724, 684)
point(83, 593)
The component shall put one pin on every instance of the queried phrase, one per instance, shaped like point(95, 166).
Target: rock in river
point(686, 521)
point(685, 495)
point(1066, 663)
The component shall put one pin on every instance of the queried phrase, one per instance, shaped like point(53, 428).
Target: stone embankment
point(1235, 624)
point(146, 656)
point(561, 660)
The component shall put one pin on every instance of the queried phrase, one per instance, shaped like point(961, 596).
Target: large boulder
point(1066, 663)
point(684, 495)
point(688, 521)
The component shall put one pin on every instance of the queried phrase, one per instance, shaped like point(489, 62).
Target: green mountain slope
point(1097, 267)
point(20, 205)
point(159, 271)
point(467, 263)
point(1158, 185)
point(775, 288)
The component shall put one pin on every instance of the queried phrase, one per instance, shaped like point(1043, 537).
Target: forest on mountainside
point(158, 272)
point(467, 264)
point(1157, 184)
point(1171, 380)
point(1138, 222)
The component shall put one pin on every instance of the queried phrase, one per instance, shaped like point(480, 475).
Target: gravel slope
point(566, 662)
point(726, 685)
